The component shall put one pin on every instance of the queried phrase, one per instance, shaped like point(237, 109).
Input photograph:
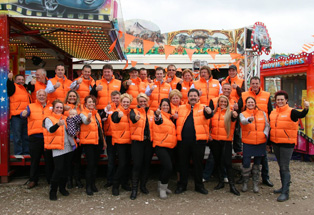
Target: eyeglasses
point(171, 70)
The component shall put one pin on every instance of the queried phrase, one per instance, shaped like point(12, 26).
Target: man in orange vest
point(143, 76)
point(38, 83)
point(157, 90)
point(207, 86)
point(83, 84)
point(171, 77)
point(58, 87)
point(192, 135)
point(237, 83)
point(19, 99)
point(263, 102)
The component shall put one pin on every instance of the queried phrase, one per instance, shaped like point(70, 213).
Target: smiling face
point(107, 74)
point(226, 90)
point(171, 71)
point(143, 74)
point(165, 106)
point(193, 98)
point(204, 74)
point(41, 97)
point(187, 77)
point(175, 100)
point(159, 75)
point(90, 104)
point(255, 85)
point(116, 99)
point(125, 103)
point(40, 76)
point(58, 108)
point(223, 103)
point(20, 80)
point(232, 73)
point(281, 101)
point(142, 102)
point(60, 71)
point(86, 72)
point(133, 74)
point(250, 104)
point(72, 98)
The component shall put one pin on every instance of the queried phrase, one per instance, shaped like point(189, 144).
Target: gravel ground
point(16, 199)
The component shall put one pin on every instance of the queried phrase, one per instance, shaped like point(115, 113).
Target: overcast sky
point(290, 23)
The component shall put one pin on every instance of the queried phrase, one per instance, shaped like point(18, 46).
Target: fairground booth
point(295, 75)
point(35, 34)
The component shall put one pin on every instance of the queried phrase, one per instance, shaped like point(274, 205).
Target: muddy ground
point(16, 199)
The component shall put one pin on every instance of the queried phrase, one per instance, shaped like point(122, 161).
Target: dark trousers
point(209, 166)
point(36, 150)
point(237, 141)
point(222, 152)
point(165, 157)
point(265, 168)
point(142, 152)
point(283, 156)
point(75, 168)
point(247, 161)
point(20, 136)
point(92, 153)
point(124, 156)
point(112, 156)
point(60, 172)
point(186, 151)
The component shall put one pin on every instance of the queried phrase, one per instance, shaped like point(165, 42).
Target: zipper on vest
point(18, 106)
point(122, 134)
point(87, 135)
point(52, 140)
point(164, 139)
point(286, 134)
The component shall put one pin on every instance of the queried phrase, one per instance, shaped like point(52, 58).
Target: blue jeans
point(20, 137)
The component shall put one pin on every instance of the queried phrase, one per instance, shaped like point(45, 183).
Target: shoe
point(62, 185)
point(64, 192)
point(268, 182)
point(162, 192)
point(144, 190)
point(70, 183)
point(115, 191)
point(278, 191)
point(226, 180)
point(234, 190)
point(89, 190)
point(31, 185)
point(53, 191)
point(167, 190)
point(179, 190)
point(255, 177)
point(219, 186)
point(94, 188)
point(126, 187)
point(109, 184)
point(133, 194)
point(201, 190)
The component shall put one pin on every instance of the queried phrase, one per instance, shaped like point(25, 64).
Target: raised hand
point(120, 114)
point(57, 85)
point(128, 82)
point(234, 114)
point(108, 107)
point(89, 116)
point(99, 87)
point(306, 104)
point(208, 110)
point(251, 118)
point(181, 81)
point(175, 115)
point(24, 113)
point(200, 91)
point(79, 81)
point(61, 122)
point(33, 81)
point(235, 106)
point(169, 80)
point(234, 85)
point(153, 87)
point(158, 111)
point(138, 116)
point(10, 76)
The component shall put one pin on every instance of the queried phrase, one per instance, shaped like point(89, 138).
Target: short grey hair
point(41, 90)
point(43, 71)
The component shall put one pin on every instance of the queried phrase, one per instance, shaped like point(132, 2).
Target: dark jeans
point(283, 156)
point(36, 150)
point(237, 141)
point(265, 168)
point(142, 152)
point(60, 172)
point(209, 166)
point(124, 156)
point(75, 166)
point(165, 157)
point(186, 151)
point(92, 153)
point(222, 152)
point(247, 161)
point(112, 156)
point(20, 136)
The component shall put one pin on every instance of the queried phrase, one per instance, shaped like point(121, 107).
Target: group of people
point(172, 117)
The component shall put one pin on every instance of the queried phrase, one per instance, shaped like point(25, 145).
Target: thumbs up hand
point(79, 81)
point(33, 81)
point(158, 111)
point(208, 110)
point(175, 115)
point(200, 91)
point(235, 106)
point(129, 82)
point(306, 104)
point(120, 114)
point(99, 87)
point(10, 76)
point(251, 118)
point(61, 122)
point(138, 116)
point(89, 116)
point(234, 85)
point(234, 114)
point(57, 85)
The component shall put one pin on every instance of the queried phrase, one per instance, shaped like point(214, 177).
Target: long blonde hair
point(227, 120)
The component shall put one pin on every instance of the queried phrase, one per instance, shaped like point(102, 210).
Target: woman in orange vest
point(175, 97)
point(222, 129)
point(164, 141)
point(185, 85)
point(142, 148)
point(61, 143)
point(255, 129)
point(283, 137)
point(92, 140)
point(121, 137)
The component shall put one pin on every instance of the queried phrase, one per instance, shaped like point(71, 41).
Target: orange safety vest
point(261, 99)
point(104, 95)
point(283, 129)
point(55, 140)
point(60, 92)
point(174, 108)
point(72, 106)
point(35, 119)
point(201, 124)
point(218, 131)
point(89, 133)
point(19, 100)
point(184, 90)
point(107, 123)
point(83, 89)
point(253, 133)
point(121, 131)
point(38, 86)
point(161, 91)
point(238, 81)
point(173, 82)
point(136, 87)
point(209, 89)
point(137, 129)
point(165, 133)
point(231, 102)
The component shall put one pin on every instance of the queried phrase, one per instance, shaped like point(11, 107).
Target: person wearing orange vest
point(104, 87)
point(111, 149)
point(171, 77)
point(134, 86)
point(283, 137)
point(157, 90)
point(164, 141)
point(57, 139)
point(92, 140)
point(83, 84)
point(143, 76)
point(38, 83)
point(255, 130)
point(35, 113)
point(175, 100)
point(263, 102)
point(58, 86)
point(121, 137)
point(238, 85)
point(208, 87)
point(222, 128)
point(192, 136)
point(141, 124)
point(186, 84)
point(19, 99)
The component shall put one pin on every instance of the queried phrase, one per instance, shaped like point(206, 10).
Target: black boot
point(134, 189)
point(62, 185)
point(89, 190)
point(143, 188)
point(126, 187)
point(221, 183)
point(94, 188)
point(53, 190)
point(233, 189)
point(285, 180)
point(78, 183)
point(115, 189)
point(70, 183)
point(280, 189)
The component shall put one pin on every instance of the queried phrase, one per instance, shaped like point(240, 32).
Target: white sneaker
point(226, 180)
